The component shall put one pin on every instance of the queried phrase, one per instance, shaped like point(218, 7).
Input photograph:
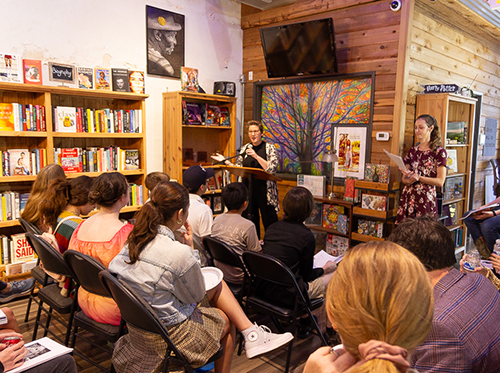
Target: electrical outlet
point(250, 75)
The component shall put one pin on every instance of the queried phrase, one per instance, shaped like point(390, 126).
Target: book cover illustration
point(224, 117)
point(371, 228)
point(11, 68)
point(131, 159)
point(19, 162)
point(451, 160)
point(120, 80)
point(374, 202)
point(316, 217)
point(136, 81)
point(21, 249)
point(85, 77)
point(219, 179)
point(32, 71)
point(193, 116)
point(102, 79)
point(212, 115)
point(378, 173)
point(455, 133)
point(321, 238)
point(315, 184)
point(66, 119)
point(453, 187)
point(336, 245)
point(217, 205)
point(70, 160)
point(7, 121)
point(349, 189)
point(333, 217)
point(189, 79)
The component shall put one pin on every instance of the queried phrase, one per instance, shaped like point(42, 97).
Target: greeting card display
point(378, 173)
point(374, 202)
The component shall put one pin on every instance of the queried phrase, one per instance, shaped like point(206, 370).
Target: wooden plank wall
point(450, 45)
point(367, 36)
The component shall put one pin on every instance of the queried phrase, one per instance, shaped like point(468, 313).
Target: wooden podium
point(251, 174)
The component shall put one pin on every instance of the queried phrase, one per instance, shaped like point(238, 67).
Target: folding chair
point(51, 294)
point(85, 271)
point(138, 313)
point(270, 269)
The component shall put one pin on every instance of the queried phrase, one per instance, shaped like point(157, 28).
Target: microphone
point(249, 146)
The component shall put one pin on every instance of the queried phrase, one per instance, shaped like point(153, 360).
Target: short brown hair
point(298, 204)
point(255, 123)
point(154, 178)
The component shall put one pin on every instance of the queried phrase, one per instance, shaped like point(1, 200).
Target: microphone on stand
point(250, 146)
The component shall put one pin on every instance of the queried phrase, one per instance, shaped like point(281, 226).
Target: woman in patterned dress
point(426, 170)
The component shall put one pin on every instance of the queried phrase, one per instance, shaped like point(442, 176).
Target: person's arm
point(307, 271)
point(436, 181)
point(252, 240)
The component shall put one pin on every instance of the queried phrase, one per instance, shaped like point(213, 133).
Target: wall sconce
point(331, 157)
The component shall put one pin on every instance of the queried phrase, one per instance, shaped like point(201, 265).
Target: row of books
point(19, 117)
point(220, 180)
point(205, 114)
point(457, 235)
point(95, 159)
point(87, 120)
point(12, 205)
point(331, 243)
point(136, 194)
point(16, 249)
point(22, 161)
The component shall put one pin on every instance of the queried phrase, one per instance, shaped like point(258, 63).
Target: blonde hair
point(380, 291)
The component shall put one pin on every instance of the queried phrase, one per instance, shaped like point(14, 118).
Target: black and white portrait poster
point(165, 42)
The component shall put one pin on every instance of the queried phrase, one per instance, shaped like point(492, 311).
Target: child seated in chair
point(234, 230)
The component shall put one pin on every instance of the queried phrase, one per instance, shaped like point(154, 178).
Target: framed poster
point(353, 148)
point(165, 42)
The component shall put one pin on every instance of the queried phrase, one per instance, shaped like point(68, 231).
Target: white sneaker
point(260, 340)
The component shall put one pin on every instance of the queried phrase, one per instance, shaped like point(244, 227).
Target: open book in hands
point(483, 208)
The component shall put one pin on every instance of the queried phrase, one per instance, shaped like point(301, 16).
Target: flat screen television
point(304, 48)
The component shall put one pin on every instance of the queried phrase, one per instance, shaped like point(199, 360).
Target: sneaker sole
point(277, 343)
point(14, 296)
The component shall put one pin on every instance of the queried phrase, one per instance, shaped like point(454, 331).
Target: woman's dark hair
point(165, 199)
point(298, 204)
point(436, 133)
point(107, 189)
point(234, 195)
point(256, 123)
point(78, 192)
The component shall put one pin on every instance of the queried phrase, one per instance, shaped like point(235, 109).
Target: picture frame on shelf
point(451, 161)
point(218, 207)
point(165, 42)
point(62, 73)
point(189, 79)
point(315, 184)
point(353, 150)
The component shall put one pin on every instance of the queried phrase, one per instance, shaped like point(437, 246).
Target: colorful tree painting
point(297, 118)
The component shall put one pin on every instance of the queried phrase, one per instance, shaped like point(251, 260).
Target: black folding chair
point(138, 313)
point(37, 273)
point(267, 268)
point(85, 271)
point(51, 294)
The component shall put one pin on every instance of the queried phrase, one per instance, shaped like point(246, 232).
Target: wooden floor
point(273, 362)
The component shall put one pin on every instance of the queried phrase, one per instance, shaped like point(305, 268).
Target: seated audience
point(102, 236)
point(154, 178)
point(290, 241)
point(195, 179)
point(380, 301)
point(465, 329)
point(484, 227)
point(12, 356)
point(234, 230)
point(168, 275)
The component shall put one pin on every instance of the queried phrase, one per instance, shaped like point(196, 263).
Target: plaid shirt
point(465, 333)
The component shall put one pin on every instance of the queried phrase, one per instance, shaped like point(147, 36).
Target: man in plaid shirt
point(465, 334)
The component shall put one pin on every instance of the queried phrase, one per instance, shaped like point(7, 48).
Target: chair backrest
point(51, 258)
point(28, 227)
point(85, 270)
point(270, 269)
point(223, 253)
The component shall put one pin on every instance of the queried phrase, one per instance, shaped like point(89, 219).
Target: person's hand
point(329, 267)
point(481, 215)
point(187, 236)
point(322, 361)
point(251, 153)
point(481, 270)
point(495, 261)
point(12, 356)
point(218, 157)
point(4, 333)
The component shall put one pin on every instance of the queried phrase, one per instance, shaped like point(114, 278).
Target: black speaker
point(225, 88)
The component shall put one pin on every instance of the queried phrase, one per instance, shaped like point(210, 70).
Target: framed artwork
point(353, 148)
point(297, 115)
point(165, 42)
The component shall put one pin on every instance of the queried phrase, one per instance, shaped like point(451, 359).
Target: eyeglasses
point(257, 131)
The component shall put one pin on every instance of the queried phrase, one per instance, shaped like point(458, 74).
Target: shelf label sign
point(490, 131)
point(440, 88)
point(61, 73)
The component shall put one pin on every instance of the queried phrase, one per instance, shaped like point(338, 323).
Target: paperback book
point(102, 79)
point(136, 81)
point(371, 228)
point(333, 217)
point(193, 114)
point(19, 162)
point(189, 79)
point(85, 77)
point(131, 159)
point(11, 68)
point(120, 80)
point(21, 249)
point(337, 245)
point(66, 119)
point(7, 120)
point(374, 202)
point(378, 173)
point(70, 160)
point(32, 71)
point(316, 217)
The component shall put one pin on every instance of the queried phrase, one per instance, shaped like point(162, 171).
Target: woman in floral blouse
point(426, 170)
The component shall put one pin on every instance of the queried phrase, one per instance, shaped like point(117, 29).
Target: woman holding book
point(484, 227)
point(425, 170)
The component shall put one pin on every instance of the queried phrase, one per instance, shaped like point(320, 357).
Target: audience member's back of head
point(298, 204)
point(107, 189)
point(153, 178)
point(234, 195)
point(78, 191)
point(428, 239)
point(381, 292)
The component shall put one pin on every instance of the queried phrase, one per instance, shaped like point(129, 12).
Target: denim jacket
point(167, 275)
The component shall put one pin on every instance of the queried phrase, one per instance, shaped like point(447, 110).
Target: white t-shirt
point(201, 219)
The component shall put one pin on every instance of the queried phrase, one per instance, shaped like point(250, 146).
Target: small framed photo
point(217, 205)
point(62, 73)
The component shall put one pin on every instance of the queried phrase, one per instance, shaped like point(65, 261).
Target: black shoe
point(305, 327)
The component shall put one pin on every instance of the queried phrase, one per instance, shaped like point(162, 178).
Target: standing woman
point(426, 170)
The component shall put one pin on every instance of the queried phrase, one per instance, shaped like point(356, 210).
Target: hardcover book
point(70, 160)
point(378, 173)
point(189, 79)
point(349, 189)
point(336, 245)
point(136, 81)
point(32, 71)
point(315, 184)
point(374, 202)
point(21, 249)
point(131, 159)
point(120, 80)
point(451, 160)
point(102, 79)
point(193, 114)
point(85, 77)
point(455, 133)
point(453, 188)
point(212, 117)
point(316, 217)
point(66, 119)
point(19, 162)
point(333, 217)
point(7, 122)
point(371, 228)
point(224, 117)
point(11, 68)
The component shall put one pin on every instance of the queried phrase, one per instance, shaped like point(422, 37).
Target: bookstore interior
point(92, 120)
